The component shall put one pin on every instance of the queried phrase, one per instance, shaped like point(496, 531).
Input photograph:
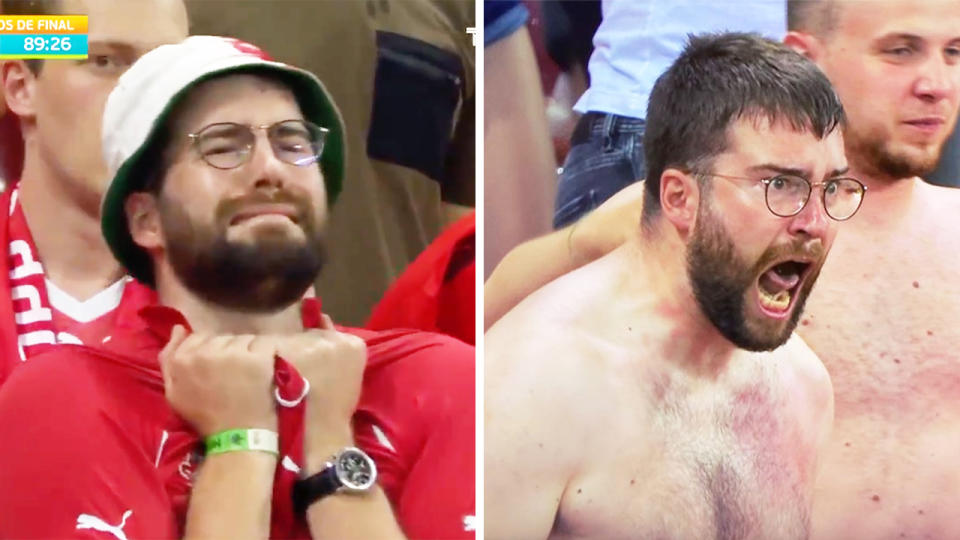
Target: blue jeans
point(606, 155)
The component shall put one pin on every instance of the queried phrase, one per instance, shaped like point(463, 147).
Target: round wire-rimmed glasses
point(787, 194)
point(228, 145)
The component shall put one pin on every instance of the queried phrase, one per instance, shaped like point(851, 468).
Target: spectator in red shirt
point(217, 201)
point(437, 292)
point(58, 282)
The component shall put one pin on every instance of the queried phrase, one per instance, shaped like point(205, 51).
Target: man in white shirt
point(636, 42)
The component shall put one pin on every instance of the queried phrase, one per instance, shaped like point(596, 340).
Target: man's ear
point(143, 220)
point(19, 88)
point(679, 199)
point(806, 44)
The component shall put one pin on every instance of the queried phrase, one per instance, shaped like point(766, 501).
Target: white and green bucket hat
point(146, 94)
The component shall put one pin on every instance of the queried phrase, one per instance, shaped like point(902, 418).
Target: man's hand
point(220, 382)
point(333, 362)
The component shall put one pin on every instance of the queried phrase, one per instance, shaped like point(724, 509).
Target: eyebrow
point(898, 35)
point(913, 39)
point(119, 46)
point(793, 171)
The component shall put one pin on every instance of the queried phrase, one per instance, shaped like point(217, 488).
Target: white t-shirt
point(639, 39)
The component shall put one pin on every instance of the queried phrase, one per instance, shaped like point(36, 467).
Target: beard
point(876, 155)
point(262, 275)
point(721, 281)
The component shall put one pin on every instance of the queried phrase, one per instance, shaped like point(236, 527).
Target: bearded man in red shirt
point(223, 163)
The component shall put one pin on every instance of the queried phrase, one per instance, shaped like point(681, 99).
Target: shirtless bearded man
point(647, 394)
point(884, 316)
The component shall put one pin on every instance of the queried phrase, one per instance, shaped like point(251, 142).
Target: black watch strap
point(307, 491)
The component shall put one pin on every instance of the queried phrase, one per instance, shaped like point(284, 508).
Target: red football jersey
point(90, 445)
point(89, 322)
point(437, 292)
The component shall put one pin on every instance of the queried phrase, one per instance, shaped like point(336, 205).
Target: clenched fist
point(220, 382)
point(333, 362)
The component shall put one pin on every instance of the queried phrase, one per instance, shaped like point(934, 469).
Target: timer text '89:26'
point(54, 43)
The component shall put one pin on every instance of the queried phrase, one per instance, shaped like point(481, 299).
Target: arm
point(525, 269)
point(333, 363)
point(530, 446)
point(537, 262)
point(520, 170)
point(217, 383)
point(344, 516)
point(70, 467)
point(231, 496)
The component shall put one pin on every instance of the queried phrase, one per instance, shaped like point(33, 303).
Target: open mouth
point(777, 287)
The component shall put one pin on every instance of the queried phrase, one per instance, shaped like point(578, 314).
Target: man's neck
point(71, 247)
point(655, 272)
point(886, 202)
point(205, 317)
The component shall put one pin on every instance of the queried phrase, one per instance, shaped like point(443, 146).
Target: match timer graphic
point(24, 37)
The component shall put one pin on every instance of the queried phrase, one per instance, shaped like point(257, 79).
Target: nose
point(937, 79)
point(268, 171)
point(813, 220)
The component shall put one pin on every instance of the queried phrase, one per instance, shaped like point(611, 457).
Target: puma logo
point(86, 521)
point(290, 465)
point(382, 438)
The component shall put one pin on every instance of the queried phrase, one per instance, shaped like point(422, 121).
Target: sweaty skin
point(592, 432)
point(883, 318)
point(883, 315)
point(615, 409)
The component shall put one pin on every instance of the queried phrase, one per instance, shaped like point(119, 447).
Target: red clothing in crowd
point(437, 292)
point(34, 314)
point(89, 440)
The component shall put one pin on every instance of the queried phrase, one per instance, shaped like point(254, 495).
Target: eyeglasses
point(228, 145)
point(787, 194)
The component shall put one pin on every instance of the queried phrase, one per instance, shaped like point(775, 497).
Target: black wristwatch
point(351, 471)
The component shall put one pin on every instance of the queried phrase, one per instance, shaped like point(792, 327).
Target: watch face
point(355, 470)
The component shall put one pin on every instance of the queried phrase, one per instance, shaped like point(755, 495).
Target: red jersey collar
point(160, 320)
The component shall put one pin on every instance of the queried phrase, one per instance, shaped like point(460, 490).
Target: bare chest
point(726, 465)
point(885, 323)
point(878, 481)
point(884, 319)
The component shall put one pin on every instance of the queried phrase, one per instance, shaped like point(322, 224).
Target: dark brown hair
point(718, 79)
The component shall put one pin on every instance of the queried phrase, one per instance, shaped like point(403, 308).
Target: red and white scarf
point(28, 288)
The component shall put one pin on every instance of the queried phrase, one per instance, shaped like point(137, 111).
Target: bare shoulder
point(536, 397)
point(948, 195)
point(804, 364)
point(534, 371)
point(936, 213)
point(807, 378)
point(547, 345)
